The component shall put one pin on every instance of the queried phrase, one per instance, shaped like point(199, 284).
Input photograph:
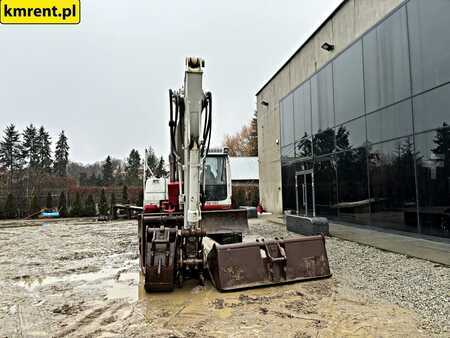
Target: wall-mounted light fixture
point(327, 46)
point(265, 103)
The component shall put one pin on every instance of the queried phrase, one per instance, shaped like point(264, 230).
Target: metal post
point(296, 195)
point(313, 194)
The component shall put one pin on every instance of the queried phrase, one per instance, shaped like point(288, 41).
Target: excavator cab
point(216, 181)
point(219, 218)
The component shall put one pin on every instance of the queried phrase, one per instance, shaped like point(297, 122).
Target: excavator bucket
point(261, 263)
point(224, 221)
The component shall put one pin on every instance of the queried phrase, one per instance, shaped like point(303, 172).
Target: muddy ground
point(79, 278)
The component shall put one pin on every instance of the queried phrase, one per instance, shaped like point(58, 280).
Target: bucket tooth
point(248, 265)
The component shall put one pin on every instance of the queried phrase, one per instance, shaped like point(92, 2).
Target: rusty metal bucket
point(248, 265)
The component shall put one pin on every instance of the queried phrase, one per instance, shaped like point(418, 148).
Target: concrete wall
point(353, 19)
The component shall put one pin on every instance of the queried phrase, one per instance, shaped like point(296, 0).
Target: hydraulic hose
point(180, 104)
point(171, 122)
point(209, 98)
point(207, 105)
point(207, 116)
point(174, 99)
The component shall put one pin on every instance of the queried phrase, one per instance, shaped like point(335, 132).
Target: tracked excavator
point(188, 228)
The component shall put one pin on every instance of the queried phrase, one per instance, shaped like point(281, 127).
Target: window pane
point(386, 62)
point(215, 178)
point(287, 119)
point(389, 123)
point(392, 185)
point(303, 148)
point(302, 111)
point(215, 170)
point(429, 27)
point(325, 187)
point(288, 173)
point(303, 165)
point(432, 109)
point(348, 84)
point(433, 171)
point(288, 183)
point(322, 100)
point(351, 135)
point(287, 153)
point(353, 200)
point(324, 143)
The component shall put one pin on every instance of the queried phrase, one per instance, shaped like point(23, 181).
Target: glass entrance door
point(305, 199)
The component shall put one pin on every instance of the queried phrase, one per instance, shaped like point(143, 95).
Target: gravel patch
point(419, 285)
point(386, 277)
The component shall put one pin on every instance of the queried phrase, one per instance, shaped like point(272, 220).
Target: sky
point(105, 81)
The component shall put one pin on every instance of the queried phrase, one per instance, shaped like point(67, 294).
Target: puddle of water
point(193, 301)
point(224, 313)
point(126, 287)
point(196, 303)
point(188, 304)
point(129, 276)
point(31, 283)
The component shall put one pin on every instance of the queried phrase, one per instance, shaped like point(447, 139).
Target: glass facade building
point(366, 139)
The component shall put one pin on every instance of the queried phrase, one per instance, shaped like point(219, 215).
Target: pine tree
point(62, 204)
point(253, 137)
point(34, 205)
point(11, 152)
point(103, 206)
point(44, 151)
point(442, 141)
point(10, 209)
point(77, 209)
point(49, 201)
point(152, 162)
point(125, 199)
point(108, 172)
point(160, 169)
point(30, 147)
point(99, 181)
point(61, 155)
point(89, 209)
point(132, 168)
point(342, 139)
